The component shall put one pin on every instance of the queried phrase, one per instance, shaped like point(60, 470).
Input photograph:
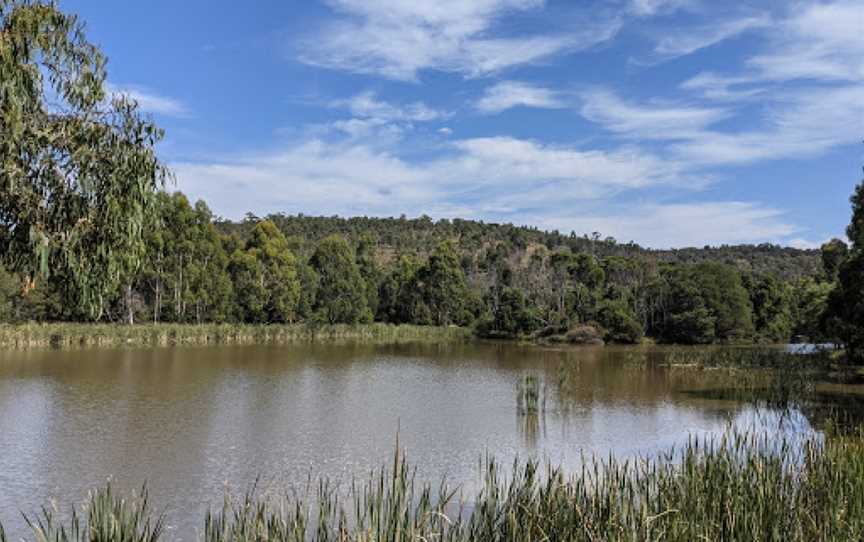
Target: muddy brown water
point(192, 423)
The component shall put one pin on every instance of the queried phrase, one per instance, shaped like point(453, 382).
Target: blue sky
point(666, 122)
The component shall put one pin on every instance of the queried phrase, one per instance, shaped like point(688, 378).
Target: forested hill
point(420, 235)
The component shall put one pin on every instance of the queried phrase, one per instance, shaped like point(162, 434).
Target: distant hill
point(420, 235)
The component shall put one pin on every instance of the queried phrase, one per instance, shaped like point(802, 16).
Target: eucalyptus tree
point(278, 267)
point(443, 285)
point(510, 316)
point(247, 275)
point(398, 295)
point(8, 297)
point(618, 321)
point(78, 168)
point(772, 307)
point(341, 295)
point(369, 270)
point(809, 309)
point(185, 275)
point(833, 253)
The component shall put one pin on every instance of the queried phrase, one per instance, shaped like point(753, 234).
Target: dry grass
point(72, 335)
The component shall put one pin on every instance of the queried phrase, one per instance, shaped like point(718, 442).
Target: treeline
point(502, 280)
point(88, 234)
point(419, 235)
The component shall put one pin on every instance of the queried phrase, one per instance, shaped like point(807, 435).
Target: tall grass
point(743, 486)
point(71, 335)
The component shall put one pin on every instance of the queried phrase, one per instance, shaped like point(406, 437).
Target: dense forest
point(504, 280)
point(89, 233)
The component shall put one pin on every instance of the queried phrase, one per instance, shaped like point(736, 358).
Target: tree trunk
point(130, 313)
point(157, 301)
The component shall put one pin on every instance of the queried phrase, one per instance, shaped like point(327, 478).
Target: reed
point(530, 396)
point(742, 486)
point(747, 358)
point(72, 335)
point(109, 517)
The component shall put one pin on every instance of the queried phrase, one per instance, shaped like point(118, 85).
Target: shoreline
point(60, 336)
point(672, 496)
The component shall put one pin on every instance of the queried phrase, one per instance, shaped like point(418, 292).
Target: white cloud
point(150, 101)
point(364, 128)
point(821, 41)
point(383, 120)
point(818, 42)
point(719, 87)
point(645, 8)
point(311, 177)
point(803, 124)
point(497, 179)
point(565, 187)
point(798, 124)
point(508, 94)
point(367, 105)
point(585, 174)
point(681, 225)
point(806, 244)
point(809, 80)
point(647, 121)
point(398, 39)
point(482, 177)
point(688, 42)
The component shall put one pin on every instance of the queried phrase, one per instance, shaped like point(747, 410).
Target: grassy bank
point(746, 486)
point(70, 335)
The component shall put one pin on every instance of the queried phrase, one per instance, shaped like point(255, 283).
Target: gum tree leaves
point(78, 169)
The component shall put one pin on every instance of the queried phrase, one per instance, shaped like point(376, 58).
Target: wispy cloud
point(481, 177)
point(509, 94)
point(648, 121)
point(398, 39)
point(368, 105)
point(686, 42)
point(665, 225)
point(718, 87)
point(795, 93)
point(821, 41)
point(799, 124)
point(645, 8)
point(804, 124)
point(818, 42)
point(386, 120)
point(151, 101)
point(496, 179)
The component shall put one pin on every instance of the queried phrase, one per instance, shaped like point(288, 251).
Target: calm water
point(191, 422)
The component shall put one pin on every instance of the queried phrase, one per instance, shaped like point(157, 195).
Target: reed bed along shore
point(745, 486)
point(756, 357)
point(73, 335)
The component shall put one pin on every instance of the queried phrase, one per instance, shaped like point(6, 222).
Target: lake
point(195, 422)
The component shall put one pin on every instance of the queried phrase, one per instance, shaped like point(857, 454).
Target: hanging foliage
point(78, 170)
